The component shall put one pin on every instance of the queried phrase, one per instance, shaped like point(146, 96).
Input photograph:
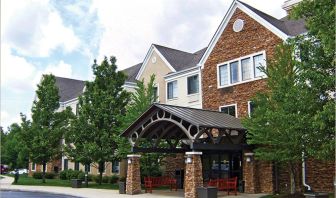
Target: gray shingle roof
point(286, 25)
point(132, 72)
point(178, 59)
point(197, 117)
point(69, 88)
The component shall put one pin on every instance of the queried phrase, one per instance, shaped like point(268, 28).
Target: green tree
point(13, 152)
point(143, 97)
point(42, 137)
point(93, 136)
point(296, 115)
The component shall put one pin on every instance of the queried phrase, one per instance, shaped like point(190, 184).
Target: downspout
point(304, 173)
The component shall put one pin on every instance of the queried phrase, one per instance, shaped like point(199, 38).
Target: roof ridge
point(171, 48)
point(69, 78)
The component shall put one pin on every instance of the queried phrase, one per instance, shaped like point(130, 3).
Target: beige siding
point(160, 69)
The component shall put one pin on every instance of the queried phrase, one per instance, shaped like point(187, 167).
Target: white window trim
point(196, 74)
point(158, 92)
point(112, 168)
point(239, 70)
point(34, 170)
point(85, 168)
point(249, 107)
point(174, 98)
point(234, 104)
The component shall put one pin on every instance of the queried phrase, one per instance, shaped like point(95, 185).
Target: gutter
point(304, 173)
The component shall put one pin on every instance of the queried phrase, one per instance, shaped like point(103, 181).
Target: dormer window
point(241, 70)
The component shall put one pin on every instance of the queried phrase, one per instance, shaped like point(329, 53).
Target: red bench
point(152, 182)
point(225, 184)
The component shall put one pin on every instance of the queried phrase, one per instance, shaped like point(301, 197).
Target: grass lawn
point(331, 195)
point(25, 180)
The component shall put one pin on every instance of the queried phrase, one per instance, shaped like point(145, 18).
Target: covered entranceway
point(211, 141)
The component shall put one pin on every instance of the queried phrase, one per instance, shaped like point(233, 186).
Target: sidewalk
point(6, 184)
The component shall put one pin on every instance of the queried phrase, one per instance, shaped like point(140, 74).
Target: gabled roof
point(176, 60)
point(196, 117)
point(283, 28)
point(132, 72)
point(286, 25)
point(69, 89)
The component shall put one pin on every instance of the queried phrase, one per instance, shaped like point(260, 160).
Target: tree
point(42, 137)
point(143, 97)
point(13, 152)
point(93, 135)
point(295, 117)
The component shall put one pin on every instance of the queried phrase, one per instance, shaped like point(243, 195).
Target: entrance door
point(221, 166)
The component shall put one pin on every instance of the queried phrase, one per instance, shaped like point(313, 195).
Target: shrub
point(95, 178)
point(50, 175)
point(37, 175)
point(90, 177)
point(105, 179)
point(122, 179)
point(63, 175)
point(81, 175)
point(114, 179)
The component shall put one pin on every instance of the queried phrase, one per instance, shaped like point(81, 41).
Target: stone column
point(249, 171)
point(133, 181)
point(194, 175)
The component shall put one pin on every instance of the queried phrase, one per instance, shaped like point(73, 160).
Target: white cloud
point(6, 119)
point(34, 28)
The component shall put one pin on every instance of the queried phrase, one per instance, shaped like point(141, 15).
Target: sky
point(63, 37)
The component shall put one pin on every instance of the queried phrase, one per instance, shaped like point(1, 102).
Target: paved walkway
point(6, 184)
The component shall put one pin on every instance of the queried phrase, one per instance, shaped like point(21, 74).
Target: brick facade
point(259, 176)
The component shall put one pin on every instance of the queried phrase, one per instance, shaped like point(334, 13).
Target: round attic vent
point(154, 59)
point(238, 25)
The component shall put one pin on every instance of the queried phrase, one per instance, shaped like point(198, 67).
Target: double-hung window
point(115, 167)
point(250, 108)
point(87, 168)
point(172, 89)
point(192, 84)
point(33, 166)
point(229, 109)
point(76, 167)
point(65, 164)
point(241, 70)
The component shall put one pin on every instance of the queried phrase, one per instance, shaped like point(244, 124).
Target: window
point(223, 75)
point(87, 168)
point(156, 93)
point(192, 84)
point(234, 72)
point(33, 167)
point(229, 109)
point(258, 61)
point(65, 164)
point(251, 107)
point(115, 167)
point(77, 108)
point(241, 69)
point(246, 69)
point(76, 166)
point(172, 89)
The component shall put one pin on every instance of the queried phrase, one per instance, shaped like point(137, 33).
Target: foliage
point(37, 175)
point(43, 135)
point(63, 175)
point(50, 175)
point(114, 179)
point(94, 134)
point(13, 152)
point(297, 115)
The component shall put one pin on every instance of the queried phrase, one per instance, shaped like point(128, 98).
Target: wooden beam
point(158, 150)
point(218, 147)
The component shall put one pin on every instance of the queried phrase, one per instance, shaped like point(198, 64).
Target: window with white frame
point(192, 82)
point(242, 69)
point(172, 89)
point(229, 109)
point(65, 164)
point(76, 166)
point(115, 167)
point(156, 93)
point(250, 108)
point(33, 166)
point(87, 168)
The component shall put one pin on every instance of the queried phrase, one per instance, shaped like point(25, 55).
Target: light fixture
point(249, 156)
point(189, 160)
point(129, 161)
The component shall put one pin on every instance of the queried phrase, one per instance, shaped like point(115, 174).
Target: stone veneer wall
point(133, 181)
point(193, 177)
point(172, 163)
point(231, 45)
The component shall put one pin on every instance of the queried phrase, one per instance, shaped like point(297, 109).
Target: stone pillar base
point(194, 175)
point(133, 181)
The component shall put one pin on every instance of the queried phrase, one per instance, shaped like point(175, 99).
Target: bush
point(63, 175)
point(50, 175)
point(95, 178)
point(37, 175)
point(90, 177)
point(105, 179)
point(114, 179)
point(81, 175)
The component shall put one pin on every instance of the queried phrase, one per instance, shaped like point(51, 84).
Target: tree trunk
point(43, 173)
point(292, 179)
point(101, 170)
